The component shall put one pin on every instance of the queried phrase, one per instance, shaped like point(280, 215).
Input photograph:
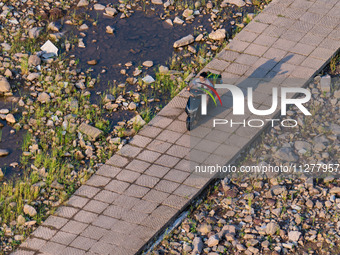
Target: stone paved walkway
point(141, 189)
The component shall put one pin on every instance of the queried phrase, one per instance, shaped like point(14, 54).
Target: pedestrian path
point(149, 182)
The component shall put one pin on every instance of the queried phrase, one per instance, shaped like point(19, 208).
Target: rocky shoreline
point(271, 213)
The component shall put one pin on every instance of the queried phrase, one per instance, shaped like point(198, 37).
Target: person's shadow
point(268, 72)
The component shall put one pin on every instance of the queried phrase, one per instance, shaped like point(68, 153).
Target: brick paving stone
point(255, 27)
point(149, 156)
point(322, 53)
point(176, 176)
point(66, 211)
point(145, 206)
point(98, 181)
point(169, 136)
point(329, 43)
point(136, 191)
point(126, 201)
point(85, 216)
point(254, 49)
point(108, 171)
point(105, 222)
point(218, 65)
point(53, 248)
point(186, 191)
point(275, 31)
point(166, 186)
point(143, 232)
point(313, 63)
point(63, 238)
point(197, 180)
point(207, 145)
point(106, 196)
point(96, 206)
point(246, 59)
point(176, 201)
point(167, 161)
point(178, 151)
point(73, 251)
point(118, 161)
point(161, 122)
point(302, 49)
point(236, 68)
point(157, 170)
point(150, 131)
point(275, 53)
point(184, 165)
point(83, 243)
point(33, 243)
point(170, 112)
point(87, 191)
point(311, 17)
point(138, 165)
point(240, 46)
point(135, 217)
point(177, 126)
point(154, 222)
point(129, 151)
point(74, 227)
point(185, 140)
point(94, 232)
point(115, 238)
point(197, 156)
point(140, 141)
point(156, 196)
point(266, 18)
point(76, 201)
point(22, 252)
point(102, 248)
point(303, 72)
point(321, 30)
point(134, 243)
point(55, 222)
point(284, 44)
point(147, 181)
point(128, 176)
point(123, 227)
point(117, 186)
point(229, 55)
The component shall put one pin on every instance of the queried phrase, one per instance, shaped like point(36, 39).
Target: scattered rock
point(30, 210)
point(294, 236)
point(83, 3)
point(110, 11)
point(34, 60)
point(10, 118)
point(99, 7)
point(325, 83)
point(148, 79)
point(109, 29)
point(184, 41)
point(286, 154)
point(160, 2)
point(92, 62)
point(44, 97)
point(3, 152)
point(90, 131)
point(272, 228)
point(218, 35)
point(148, 63)
point(238, 3)
point(4, 85)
